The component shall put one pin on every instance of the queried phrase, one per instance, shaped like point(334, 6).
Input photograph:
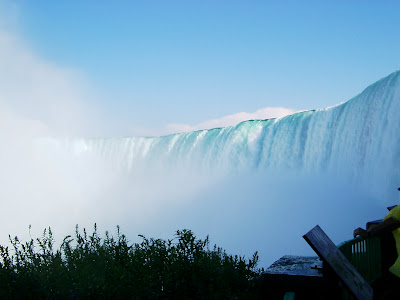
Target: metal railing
point(365, 255)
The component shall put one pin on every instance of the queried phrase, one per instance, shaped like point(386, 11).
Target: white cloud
point(34, 91)
point(232, 120)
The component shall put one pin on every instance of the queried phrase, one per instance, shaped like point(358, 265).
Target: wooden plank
point(328, 252)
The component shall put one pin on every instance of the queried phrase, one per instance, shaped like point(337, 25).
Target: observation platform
point(355, 269)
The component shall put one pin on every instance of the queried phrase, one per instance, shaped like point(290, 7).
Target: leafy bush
point(89, 266)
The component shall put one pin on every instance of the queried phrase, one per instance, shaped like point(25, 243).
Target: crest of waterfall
point(358, 140)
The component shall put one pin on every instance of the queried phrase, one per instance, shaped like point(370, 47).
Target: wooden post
point(329, 253)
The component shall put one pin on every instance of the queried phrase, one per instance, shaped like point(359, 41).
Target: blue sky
point(154, 67)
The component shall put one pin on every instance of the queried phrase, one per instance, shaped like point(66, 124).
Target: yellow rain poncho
point(395, 214)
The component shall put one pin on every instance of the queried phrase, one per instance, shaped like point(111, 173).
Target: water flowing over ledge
point(359, 140)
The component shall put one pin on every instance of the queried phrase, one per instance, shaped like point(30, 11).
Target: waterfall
point(359, 139)
point(259, 185)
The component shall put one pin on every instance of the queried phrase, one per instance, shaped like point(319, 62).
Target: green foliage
point(88, 266)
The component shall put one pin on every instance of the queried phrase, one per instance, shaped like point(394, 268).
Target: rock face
point(296, 265)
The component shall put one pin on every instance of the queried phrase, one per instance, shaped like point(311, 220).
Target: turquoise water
point(359, 139)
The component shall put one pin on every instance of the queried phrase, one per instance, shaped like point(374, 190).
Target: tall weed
point(89, 266)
